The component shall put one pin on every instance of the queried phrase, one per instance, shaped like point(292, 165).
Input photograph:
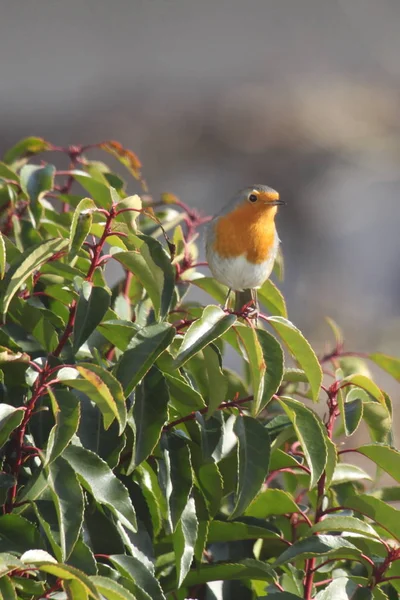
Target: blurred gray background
point(212, 95)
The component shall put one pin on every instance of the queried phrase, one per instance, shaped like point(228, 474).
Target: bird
point(242, 244)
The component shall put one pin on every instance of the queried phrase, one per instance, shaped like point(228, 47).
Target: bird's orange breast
point(247, 230)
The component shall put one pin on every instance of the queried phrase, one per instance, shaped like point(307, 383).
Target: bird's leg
point(227, 299)
point(253, 314)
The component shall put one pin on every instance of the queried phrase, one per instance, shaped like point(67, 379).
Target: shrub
point(134, 463)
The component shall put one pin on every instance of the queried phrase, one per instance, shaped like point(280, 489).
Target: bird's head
point(257, 199)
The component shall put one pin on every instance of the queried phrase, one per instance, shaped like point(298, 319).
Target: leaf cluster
point(134, 463)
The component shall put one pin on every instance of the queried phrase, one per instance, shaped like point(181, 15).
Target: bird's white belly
point(238, 273)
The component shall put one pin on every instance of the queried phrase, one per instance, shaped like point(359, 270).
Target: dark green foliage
point(135, 465)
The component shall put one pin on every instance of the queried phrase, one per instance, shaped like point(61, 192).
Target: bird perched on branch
point(242, 243)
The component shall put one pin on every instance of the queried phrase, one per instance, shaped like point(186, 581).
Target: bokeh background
point(302, 95)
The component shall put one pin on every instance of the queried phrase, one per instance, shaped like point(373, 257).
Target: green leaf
point(3, 258)
point(345, 472)
point(98, 191)
point(329, 546)
point(273, 357)
point(385, 457)
point(75, 590)
point(184, 540)
point(215, 289)
point(152, 266)
point(67, 412)
point(378, 419)
point(68, 500)
point(149, 412)
point(310, 433)
point(366, 384)
point(216, 380)
point(7, 589)
point(271, 502)
point(6, 482)
point(144, 349)
point(353, 411)
point(35, 321)
point(66, 572)
point(301, 352)
point(232, 531)
point(10, 419)
point(341, 588)
point(101, 387)
point(331, 462)
point(271, 297)
point(18, 534)
point(112, 590)
point(344, 524)
point(80, 225)
point(245, 569)
point(211, 325)
point(31, 260)
point(100, 481)
point(26, 147)
point(249, 341)
point(183, 396)
point(118, 332)
point(37, 180)
point(253, 461)
point(381, 513)
point(140, 573)
point(175, 476)
point(389, 364)
point(93, 304)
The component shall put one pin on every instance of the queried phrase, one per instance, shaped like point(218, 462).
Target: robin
point(242, 243)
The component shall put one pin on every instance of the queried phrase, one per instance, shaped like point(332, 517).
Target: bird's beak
point(276, 202)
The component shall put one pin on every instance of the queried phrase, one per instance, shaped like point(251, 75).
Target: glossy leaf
point(271, 502)
point(140, 573)
point(27, 263)
point(216, 380)
point(101, 387)
point(152, 266)
point(3, 257)
point(80, 225)
point(310, 433)
point(26, 147)
point(68, 500)
point(149, 414)
point(384, 515)
point(271, 297)
point(213, 323)
point(301, 352)
point(37, 180)
point(345, 524)
point(390, 364)
point(248, 340)
point(144, 349)
point(273, 358)
point(175, 476)
point(353, 411)
point(101, 482)
point(184, 539)
point(253, 461)
point(66, 411)
point(112, 590)
point(327, 546)
point(7, 589)
point(385, 457)
point(93, 304)
point(10, 418)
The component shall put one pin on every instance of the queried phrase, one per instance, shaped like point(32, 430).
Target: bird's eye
point(253, 198)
